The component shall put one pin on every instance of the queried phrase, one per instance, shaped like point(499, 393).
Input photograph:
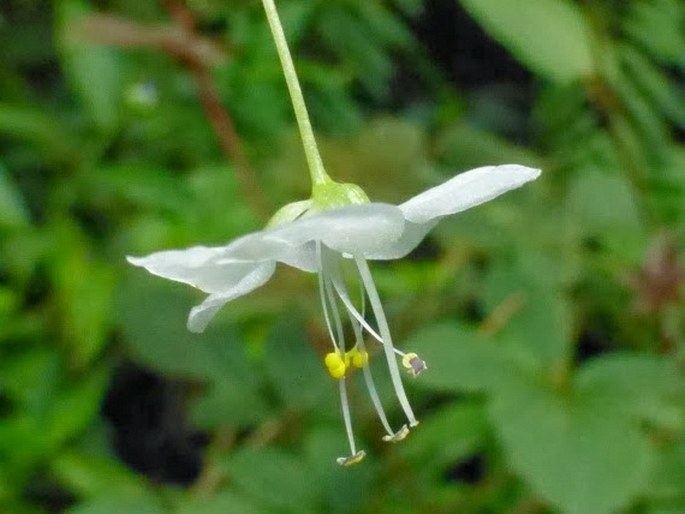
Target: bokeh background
point(551, 319)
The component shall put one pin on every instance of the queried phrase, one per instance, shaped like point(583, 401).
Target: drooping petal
point(466, 190)
point(214, 269)
point(356, 229)
point(197, 266)
point(200, 315)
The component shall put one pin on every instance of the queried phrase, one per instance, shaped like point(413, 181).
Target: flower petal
point(256, 247)
point(196, 266)
point(411, 237)
point(214, 269)
point(356, 229)
point(466, 190)
point(200, 315)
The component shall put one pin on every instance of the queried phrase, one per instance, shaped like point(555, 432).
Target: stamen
point(414, 364)
point(337, 321)
point(397, 436)
point(335, 364)
point(356, 357)
point(340, 287)
point(382, 322)
point(355, 456)
point(373, 392)
point(322, 296)
point(352, 459)
point(342, 293)
point(359, 316)
point(328, 297)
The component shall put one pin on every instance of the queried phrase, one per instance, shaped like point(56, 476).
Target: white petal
point(214, 269)
point(466, 190)
point(196, 266)
point(356, 229)
point(411, 237)
point(256, 247)
point(200, 315)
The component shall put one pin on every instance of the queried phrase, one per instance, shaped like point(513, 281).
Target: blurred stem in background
point(197, 55)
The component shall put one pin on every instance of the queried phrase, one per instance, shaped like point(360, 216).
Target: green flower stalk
point(326, 193)
point(317, 171)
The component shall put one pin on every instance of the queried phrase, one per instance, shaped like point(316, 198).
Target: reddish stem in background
point(218, 116)
point(197, 54)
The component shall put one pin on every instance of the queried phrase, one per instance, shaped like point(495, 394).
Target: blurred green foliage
point(551, 320)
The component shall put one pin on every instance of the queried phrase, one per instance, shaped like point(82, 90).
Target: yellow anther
point(335, 364)
point(357, 358)
point(338, 371)
point(333, 360)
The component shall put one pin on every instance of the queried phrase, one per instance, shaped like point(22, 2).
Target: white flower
point(321, 242)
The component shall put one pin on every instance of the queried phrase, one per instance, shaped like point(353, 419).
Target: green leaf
point(221, 503)
point(218, 210)
point(357, 46)
point(36, 126)
point(13, 212)
point(650, 387)
point(273, 478)
point(572, 450)
point(88, 475)
point(118, 504)
point(85, 289)
point(604, 205)
point(23, 442)
point(662, 91)
point(386, 147)
point(463, 147)
point(651, 129)
point(31, 378)
point(229, 401)
point(457, 430)
point(75, 408)
point(669, 476)
point(342, 490)
point(295, 369)
point(152, 314)
point(155, 188)
point(409, 7)
point(95, 71)
point(459, 359)
point(658, 26)
point(679, 508)
point(668, 187)
point(539, 327)
point(447, 438)
point(10, 302)
point(549, 36)
point(601, 201)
